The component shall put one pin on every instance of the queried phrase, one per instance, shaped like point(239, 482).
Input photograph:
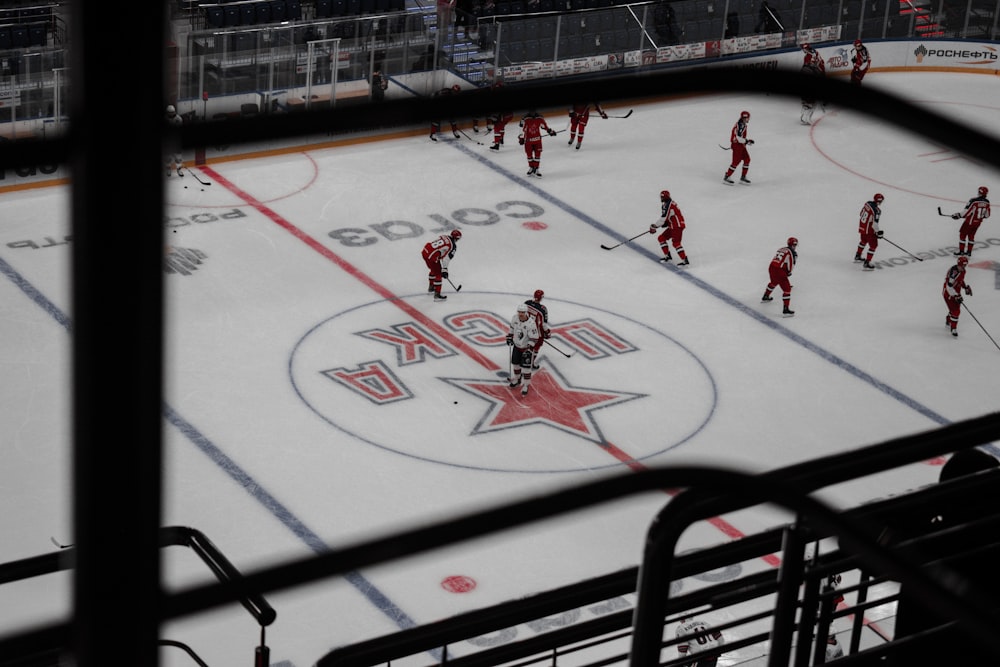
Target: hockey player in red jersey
point(812, 59)
point(672, 222)
point(437, 255)
point(977, 210)
point(499, 124)
point(540, 313)
point(495, 123)
point(531, 138)
point(579, 114)
point(779, 271)
point(813, 64)
point(522, 338)
point(739, 141)
point(954, 285)
point(436, 125)
point(869, 231)
point(861, 62)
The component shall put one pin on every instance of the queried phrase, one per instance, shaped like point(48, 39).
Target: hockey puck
point(456, 402)
point(203, 189)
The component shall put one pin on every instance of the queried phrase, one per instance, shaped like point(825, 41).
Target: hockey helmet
point(537, 296)
point(522, 307)
point(806, 46)
point(456, 88)
point(171, 110)
point(664, 195)
point(878, 198)
point(983, 190)
point(744, 115)
point(857, 43)
point(963, 261)
point(792, 241)
point(456, 234)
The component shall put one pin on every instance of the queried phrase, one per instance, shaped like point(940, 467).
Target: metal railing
point(276, 65)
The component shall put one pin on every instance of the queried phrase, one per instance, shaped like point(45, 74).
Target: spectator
point(379, 84)
point(768, 19)
point(663, 21)
point(974, 559)
point(445, 16)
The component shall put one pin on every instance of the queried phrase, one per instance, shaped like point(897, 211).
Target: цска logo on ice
point(429, 381)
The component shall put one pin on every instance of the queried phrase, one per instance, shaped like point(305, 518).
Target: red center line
point(352, 270)
point(721, 524)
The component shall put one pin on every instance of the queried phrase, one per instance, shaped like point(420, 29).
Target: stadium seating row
point(570, 46)
point(23, 36)
point(334, 8)
point(582, 24)
point(29, 14)
point(255, 12)
point(506, 7)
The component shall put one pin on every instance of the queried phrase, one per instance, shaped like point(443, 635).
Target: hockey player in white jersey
point(522, 338)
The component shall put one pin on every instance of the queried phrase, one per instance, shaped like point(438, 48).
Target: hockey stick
point(980, 325)
point(725, 148)
point(942, 214)
point(457, 289)
point(903, 249)
point(61, 546)
point(546, 341)
point(188, 169)
point(612, 247)
point(470, 138)
point(625, 116)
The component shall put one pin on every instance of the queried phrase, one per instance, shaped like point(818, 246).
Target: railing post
point(789, 578)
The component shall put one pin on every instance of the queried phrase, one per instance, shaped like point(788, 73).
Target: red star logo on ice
point(550, 401)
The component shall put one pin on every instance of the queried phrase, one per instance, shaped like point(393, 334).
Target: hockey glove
point(548, 334)
point(520, 139)
point(510, 339)
point(956, 216)
point(879, 233)
point(652, 229)
point(968, 290)
point(749, 142)
point(552, 132)
point(958, 299)
point(444, 273)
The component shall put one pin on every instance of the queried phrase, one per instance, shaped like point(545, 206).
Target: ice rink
point(317, 396)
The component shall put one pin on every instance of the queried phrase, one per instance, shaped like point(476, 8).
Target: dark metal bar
point(116, 138)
